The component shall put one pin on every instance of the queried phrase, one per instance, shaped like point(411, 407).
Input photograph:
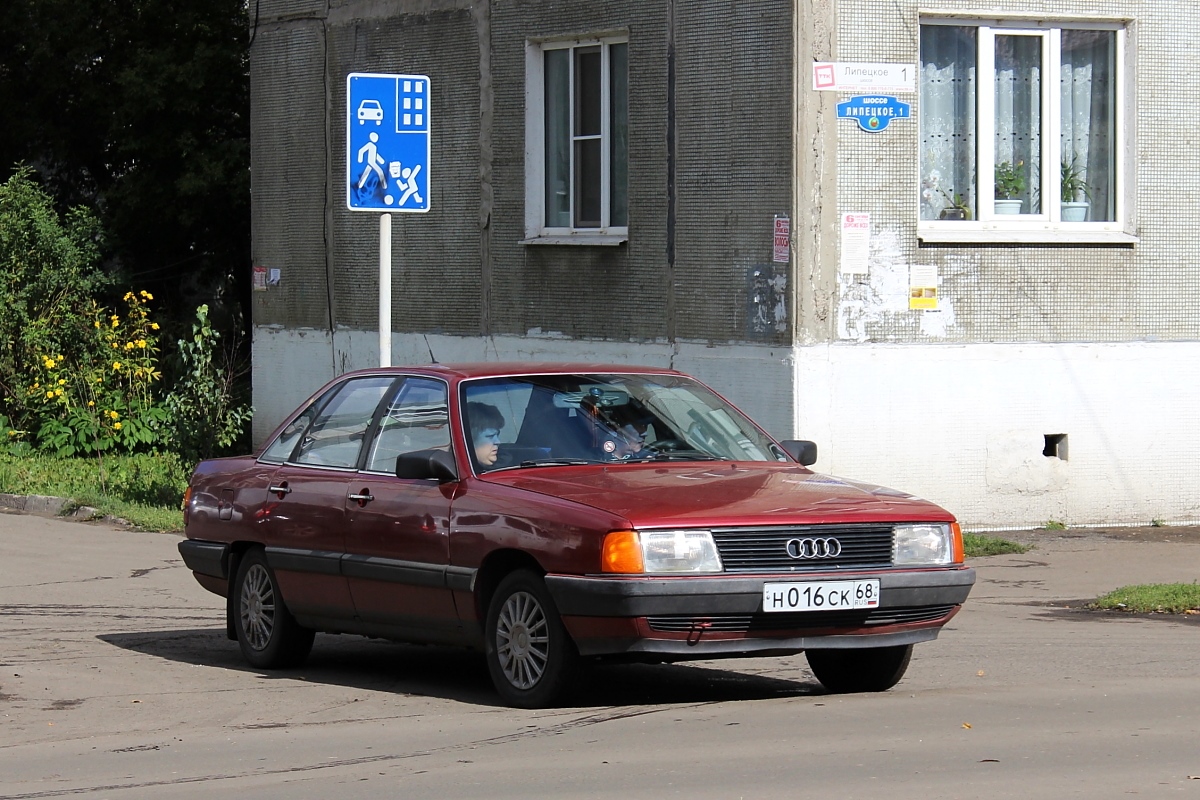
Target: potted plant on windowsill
point(1075, 197)
point(956, 207)
point(1010, 183)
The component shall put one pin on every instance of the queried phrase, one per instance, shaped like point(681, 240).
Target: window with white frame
point(577, 125)
point(1021, 127)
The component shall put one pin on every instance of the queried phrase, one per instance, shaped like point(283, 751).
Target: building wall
point(710, 149)
point(1097, 342)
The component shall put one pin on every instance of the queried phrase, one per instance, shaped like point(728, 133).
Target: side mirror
point(802, 450)
point(427, 465)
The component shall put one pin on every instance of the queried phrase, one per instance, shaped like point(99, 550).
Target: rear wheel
point(267, 633)
point(530, 656)
point(873, 669)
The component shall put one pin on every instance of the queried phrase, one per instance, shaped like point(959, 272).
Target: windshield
point(544, 420)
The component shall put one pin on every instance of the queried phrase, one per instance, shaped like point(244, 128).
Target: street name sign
point(854, 76)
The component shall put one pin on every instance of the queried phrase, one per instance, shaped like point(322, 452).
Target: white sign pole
point(385, 290)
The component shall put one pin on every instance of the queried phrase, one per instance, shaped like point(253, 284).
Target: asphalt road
point(116, 680)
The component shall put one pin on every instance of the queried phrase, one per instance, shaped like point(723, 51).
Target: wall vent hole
point(1056, 446)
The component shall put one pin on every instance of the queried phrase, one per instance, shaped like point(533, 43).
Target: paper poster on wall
point(856, 243)
point(259, 282)
point(783, 240)
point(922, 287)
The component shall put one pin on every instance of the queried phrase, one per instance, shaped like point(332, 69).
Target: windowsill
point(593, 239)
point(990, 233)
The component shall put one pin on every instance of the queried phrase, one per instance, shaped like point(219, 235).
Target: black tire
point(530, 655)
point(267, 633)
point(873, 669)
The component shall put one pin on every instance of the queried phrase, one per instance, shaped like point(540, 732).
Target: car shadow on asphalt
point(461, 675)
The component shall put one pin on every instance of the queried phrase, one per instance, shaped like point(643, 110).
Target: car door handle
point(363, 498)
point(280, 490)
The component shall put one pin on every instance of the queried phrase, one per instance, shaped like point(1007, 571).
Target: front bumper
point(711, 617)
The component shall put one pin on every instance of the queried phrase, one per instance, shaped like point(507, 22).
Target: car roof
point(500, 369)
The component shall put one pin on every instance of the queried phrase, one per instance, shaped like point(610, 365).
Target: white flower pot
point(1009, 206)
point(1075, 211)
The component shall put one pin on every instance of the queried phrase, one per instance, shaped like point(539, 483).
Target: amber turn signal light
point(958, 552)
point(622, 553)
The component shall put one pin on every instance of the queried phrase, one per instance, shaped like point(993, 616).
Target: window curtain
point(557, 78)
point(1019, 72)
point(947, 116)
point(1088, 96)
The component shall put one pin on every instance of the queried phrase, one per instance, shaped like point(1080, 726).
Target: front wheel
point(267, 633)
point(872, 669)
point(530, 656)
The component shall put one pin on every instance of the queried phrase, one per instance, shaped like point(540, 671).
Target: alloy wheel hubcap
point(522, 640)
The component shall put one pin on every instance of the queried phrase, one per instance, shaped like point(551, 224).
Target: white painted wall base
point(965, 426)
point(289, 365)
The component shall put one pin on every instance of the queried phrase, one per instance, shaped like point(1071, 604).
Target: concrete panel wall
point(965, 426)
point(291, 364)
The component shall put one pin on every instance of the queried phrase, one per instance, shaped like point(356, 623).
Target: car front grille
point(804, 620)
point(765, 549)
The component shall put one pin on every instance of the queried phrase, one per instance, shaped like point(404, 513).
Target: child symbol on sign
point(408, 183)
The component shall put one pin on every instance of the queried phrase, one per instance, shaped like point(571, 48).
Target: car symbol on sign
point(370, 109)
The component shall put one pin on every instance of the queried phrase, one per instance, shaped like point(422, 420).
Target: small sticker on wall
point(923, 287)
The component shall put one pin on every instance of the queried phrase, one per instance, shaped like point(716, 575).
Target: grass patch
point(1160, 598)
point(976, 545)
point(146, 490)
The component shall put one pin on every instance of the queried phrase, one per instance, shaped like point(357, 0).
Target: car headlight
point(926, 544)
point(660, 552)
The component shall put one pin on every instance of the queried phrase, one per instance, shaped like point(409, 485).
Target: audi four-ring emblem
point(813, 548)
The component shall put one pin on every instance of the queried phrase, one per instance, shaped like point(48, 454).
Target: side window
point(418, 418)
point(335, 438)
point(281, 449)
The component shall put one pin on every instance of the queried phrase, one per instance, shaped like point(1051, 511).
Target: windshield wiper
point(678, 455)
point(552, 462)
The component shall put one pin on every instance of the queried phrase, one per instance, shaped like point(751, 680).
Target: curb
point(59, 507)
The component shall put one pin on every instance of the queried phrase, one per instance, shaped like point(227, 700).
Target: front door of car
point(397, 540)
point(304, 516)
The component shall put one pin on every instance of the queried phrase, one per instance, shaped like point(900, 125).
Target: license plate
point(821, 596)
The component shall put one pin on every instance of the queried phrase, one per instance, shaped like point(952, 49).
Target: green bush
point(77, 378)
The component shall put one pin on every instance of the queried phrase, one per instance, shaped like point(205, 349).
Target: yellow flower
point(116, 365)
point(129, 345)
point(128, 296)
point(62, 381)
point(49, 395)
point(153, 326)
point(91, 403)
point(116, 426)
point(146, 295)
point(12, 433)
point(97, 323)
point(116, 323)
point(114, 414)
point(114, 345)
point(141, 343)
point(60, 359)
point(37, 386)
point(49, 362)
point(58, 392)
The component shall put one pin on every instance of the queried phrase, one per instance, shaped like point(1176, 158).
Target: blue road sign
point(872, 112)
point(387, 142)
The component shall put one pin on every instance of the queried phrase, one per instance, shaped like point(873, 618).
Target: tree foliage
point(140, 111)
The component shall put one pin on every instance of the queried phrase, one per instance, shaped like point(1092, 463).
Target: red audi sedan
point(547, 514)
